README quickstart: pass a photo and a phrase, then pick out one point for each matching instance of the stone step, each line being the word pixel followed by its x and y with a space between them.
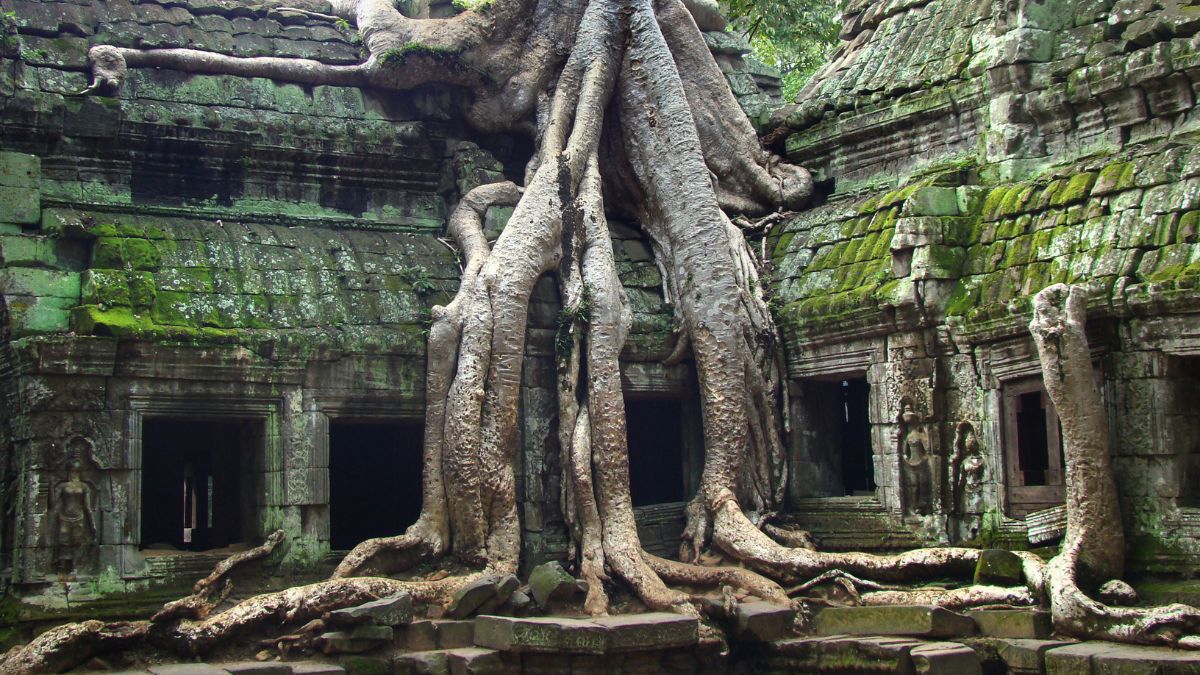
pixel 1106 657
pixel 1031 624
pixel 463 661
pixel 434 634
pixel 240 668
pixel 1024 656
pixel 867 654
pixel 906 620
pixel 604 635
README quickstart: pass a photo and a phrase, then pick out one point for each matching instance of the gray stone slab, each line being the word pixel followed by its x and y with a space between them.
pixel 1026 655
pixel 454 634
pixel 256 667
pixel 763 621
pixel 1107 657
pixel 186 669
pixel 540 634
pixel 315 668
pixel 423 663
pixel 945 658
pixel 915 620
pixel 394 611
pixel 474 661
pixel 1031 624
pixel 656 630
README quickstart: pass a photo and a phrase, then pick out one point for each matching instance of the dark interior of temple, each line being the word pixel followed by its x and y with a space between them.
pixel 195 482
pixel 374 480
pixel 858 471
pixel 655 431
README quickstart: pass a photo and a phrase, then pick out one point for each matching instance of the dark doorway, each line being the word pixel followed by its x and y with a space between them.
pixel 1033 448
pixel 831 447
pixel 374 480
pixel 195 482
pixel 858 466
pixel 656 457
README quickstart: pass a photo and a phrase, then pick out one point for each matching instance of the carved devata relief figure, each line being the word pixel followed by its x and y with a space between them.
pixel 72 511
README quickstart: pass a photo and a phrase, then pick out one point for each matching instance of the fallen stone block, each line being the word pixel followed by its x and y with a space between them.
pixel 504 588
pixel 915 620
pixel 1031 624
pixel 998 567
pixel 866 654
pixel 657 630
pixel 393 611
pixel 358 639
pixel 551 582
pixel 540 634
pixel 1024 655
pixel 471 597
pixel 763 621
pixel 945 658
pixel 355 664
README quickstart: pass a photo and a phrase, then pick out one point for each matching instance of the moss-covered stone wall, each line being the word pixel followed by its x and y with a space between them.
pixel 969 154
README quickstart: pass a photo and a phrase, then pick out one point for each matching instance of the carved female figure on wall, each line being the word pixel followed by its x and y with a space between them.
pixel 970 472
pixel 73 514
pixel 916 458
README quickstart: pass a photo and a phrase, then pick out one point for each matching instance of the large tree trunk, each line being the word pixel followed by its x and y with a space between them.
pixel 1093 549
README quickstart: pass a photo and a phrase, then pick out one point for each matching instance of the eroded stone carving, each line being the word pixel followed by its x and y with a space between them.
pixel 73 513
pixel 919 477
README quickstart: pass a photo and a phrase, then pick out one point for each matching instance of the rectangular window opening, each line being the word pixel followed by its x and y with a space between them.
pixel 1033 448
pixel 374 479
pixel 196 482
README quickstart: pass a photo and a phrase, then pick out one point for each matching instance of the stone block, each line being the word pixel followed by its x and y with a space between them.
pixel 763 621
pixel 474 661
pixel 1108 657
pixel 20 205
pixel 355 664
pixel 945 658
pixel 186 669
pixel 256 667
pixel 454 634
pixel 18 169
pixel 394 611
pixel 652 631
pixel 998 567
pixel 468 599
pixel 1022 655
pixel 550 582
pixel 915 620
pixel 358 639
pixel 1012 623
pixel 314 668
pixel 932 201
pixel 423 663
pixel 540 634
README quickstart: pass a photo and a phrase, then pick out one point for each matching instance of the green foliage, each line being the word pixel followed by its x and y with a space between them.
pixel 471 5
pixel 10 41
pixel 418 278
pixel 342 24
pixel 796 36
pixel 579 313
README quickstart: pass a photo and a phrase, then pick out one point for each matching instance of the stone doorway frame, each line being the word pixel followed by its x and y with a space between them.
pixel 268 466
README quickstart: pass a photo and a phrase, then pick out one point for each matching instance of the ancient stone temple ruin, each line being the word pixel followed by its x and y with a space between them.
pixel 217 292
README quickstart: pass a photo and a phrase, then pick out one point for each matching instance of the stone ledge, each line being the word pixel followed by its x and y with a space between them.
pixel 907 620
pixel 607 635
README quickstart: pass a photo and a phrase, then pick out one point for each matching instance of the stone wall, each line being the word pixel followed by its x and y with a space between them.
pixel 970 154
pixel 245 252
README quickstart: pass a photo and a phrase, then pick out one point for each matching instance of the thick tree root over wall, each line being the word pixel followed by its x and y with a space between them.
pixel 631 116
